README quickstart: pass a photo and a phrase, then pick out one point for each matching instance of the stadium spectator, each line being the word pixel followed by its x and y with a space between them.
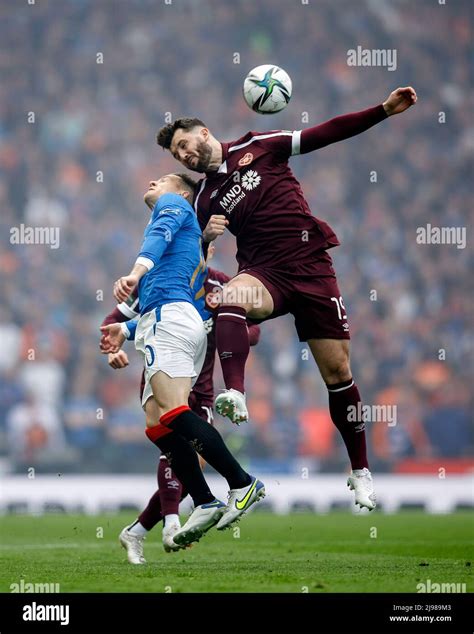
pixel 76 144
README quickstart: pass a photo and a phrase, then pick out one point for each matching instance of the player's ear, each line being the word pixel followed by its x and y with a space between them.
pixel 204 132
pixel 185 194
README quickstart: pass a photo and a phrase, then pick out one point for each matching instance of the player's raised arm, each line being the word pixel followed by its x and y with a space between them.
pixel 349 125
pixel 161 233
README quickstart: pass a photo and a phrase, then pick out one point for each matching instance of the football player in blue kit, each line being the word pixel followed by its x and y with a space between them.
pixel 170 335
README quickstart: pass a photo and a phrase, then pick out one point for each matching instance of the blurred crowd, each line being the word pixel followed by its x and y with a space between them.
pixel 85 86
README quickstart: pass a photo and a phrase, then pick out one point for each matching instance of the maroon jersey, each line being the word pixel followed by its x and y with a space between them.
pixel 267 212
pixel 263 201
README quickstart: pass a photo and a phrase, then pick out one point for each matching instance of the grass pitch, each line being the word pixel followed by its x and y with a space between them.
pixel 338 552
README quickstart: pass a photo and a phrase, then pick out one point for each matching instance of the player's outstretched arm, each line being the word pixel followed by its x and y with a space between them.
pixel 349 125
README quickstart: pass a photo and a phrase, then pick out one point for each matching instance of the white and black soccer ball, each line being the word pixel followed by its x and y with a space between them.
pixel 267 89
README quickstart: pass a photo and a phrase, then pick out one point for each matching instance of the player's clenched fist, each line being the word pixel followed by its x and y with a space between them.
pixel 118 359
pixel 112 338
pixel 124 286
pixel 399 100
pixel 215 227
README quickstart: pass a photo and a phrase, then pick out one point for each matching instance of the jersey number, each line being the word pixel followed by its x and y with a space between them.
pixel 340 307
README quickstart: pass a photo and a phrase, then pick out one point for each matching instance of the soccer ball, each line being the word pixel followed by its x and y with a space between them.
pixel 267 89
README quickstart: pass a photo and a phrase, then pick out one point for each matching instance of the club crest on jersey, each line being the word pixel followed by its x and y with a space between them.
pixel 246 159
pixel 213 299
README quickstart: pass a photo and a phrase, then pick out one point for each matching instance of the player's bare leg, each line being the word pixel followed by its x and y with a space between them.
pixel 169 500
pixel 179 428
pixel 163 505
pixel 332 358
pixel 170 394
pixel 245 296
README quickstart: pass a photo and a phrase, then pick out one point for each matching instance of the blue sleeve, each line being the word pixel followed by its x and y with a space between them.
pixel 132 327
pixel 164 225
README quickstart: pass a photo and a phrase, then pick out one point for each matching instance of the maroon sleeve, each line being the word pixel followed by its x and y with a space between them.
pixel 340 128
pixel 254 334
pixel 219 276
pixel 115 316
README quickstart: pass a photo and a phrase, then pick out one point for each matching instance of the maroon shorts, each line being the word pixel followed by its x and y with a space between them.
pixel 308 291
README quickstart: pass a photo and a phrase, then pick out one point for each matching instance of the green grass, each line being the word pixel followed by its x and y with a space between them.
pixel 325 553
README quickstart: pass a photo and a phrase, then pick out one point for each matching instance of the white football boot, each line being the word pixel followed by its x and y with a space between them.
pixel 232 403
pixel 239 502
pixel 167 536
pixel 133 544
pixel 360 481
pixel 204 517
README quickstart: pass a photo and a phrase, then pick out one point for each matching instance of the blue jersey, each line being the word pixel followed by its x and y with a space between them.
pixel 171 249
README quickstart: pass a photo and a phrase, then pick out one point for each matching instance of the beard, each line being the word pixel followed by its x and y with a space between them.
pixel 204 152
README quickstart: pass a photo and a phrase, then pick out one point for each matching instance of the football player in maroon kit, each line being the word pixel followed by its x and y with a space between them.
pixel 164 503
pixel 282 254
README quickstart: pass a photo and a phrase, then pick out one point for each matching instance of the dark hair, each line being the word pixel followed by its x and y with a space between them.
pixel 165 134
pixel 189 183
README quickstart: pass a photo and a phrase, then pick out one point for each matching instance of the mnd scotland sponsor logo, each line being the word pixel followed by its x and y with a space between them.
pixel 249 181
pixel 386 57
pixel 441 235
pixel 35 235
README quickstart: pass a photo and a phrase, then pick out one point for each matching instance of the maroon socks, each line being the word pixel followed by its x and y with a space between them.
pixel 232 339
pixel 165 501
pixel 343 400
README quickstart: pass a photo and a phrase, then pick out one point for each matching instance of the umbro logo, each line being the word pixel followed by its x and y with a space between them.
pixel 214 193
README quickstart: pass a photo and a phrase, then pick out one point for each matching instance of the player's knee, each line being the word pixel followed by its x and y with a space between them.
pixel 237 294
pixel 337 371
pixel 253 298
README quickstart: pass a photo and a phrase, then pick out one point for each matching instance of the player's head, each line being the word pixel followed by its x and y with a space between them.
pixel 189 141
pixel 181 184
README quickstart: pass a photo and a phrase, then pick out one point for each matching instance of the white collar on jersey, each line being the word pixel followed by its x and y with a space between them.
pixel 222 168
